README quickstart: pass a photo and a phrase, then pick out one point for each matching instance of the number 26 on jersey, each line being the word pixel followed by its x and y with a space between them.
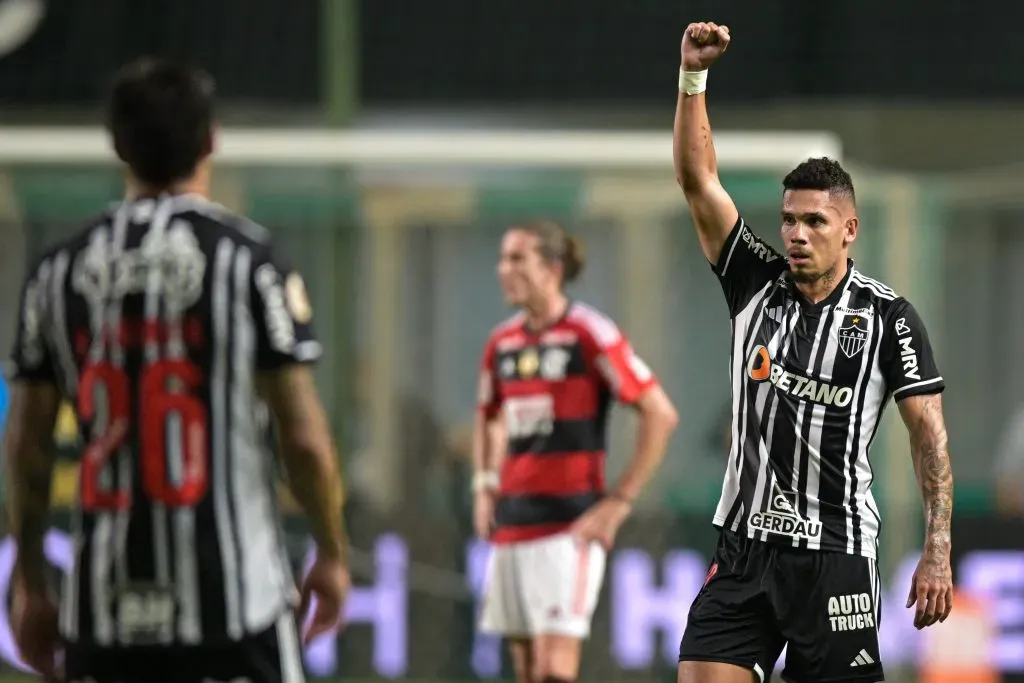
pixel 165 401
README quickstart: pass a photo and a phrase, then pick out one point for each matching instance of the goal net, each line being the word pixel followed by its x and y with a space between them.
pixel 396 234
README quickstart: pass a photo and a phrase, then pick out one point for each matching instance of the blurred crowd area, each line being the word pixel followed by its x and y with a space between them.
pixel 400 266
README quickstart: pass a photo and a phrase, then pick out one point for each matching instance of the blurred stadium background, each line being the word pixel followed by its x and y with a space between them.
pixel 399 260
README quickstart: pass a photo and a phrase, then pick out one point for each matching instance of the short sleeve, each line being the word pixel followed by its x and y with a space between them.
pixel 906 356
pixel 746 264
pixel 625 374
pixel 488 392
pixel 282 313
pixel 31 357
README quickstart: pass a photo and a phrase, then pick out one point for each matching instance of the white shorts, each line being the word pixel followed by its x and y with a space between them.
pixel 548 586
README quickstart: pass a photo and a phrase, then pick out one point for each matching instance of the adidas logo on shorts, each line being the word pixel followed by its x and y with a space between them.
pixel 862 659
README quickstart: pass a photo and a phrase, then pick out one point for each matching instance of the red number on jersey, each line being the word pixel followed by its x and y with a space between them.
pixel 165 393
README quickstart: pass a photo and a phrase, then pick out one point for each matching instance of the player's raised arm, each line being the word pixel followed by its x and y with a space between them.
pixel 713 210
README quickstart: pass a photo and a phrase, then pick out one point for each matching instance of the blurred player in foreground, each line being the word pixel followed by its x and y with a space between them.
pixel 160 321
pixel 818 348
pixel 548 377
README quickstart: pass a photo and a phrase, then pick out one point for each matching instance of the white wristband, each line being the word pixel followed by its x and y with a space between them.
pixel 693 82
pixel 487 480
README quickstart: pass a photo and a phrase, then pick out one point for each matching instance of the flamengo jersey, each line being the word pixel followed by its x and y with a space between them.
pixel 809 384
pixel 154 321
pixel 555 388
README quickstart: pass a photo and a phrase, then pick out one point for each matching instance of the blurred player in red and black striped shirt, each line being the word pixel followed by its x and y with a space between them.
pixel 549 376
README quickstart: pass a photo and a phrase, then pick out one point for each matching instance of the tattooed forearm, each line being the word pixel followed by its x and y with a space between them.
pixel 30 458
pixel 928 444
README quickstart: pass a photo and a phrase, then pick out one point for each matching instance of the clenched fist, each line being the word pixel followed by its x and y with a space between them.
pixel 703 44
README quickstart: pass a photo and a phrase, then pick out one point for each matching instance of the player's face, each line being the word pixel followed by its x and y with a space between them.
pixel 817 230
pixel 524 275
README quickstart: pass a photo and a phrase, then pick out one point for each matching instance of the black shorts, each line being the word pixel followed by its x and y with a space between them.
pixel 271 656
pixel 760 596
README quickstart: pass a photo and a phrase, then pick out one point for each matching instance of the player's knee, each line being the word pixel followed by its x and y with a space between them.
pixel 714 672
pixel 547 672
pixel 555 679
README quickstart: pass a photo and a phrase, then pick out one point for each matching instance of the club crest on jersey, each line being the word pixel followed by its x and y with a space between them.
pixel 529 362
pixel 554 363
pixel 853 335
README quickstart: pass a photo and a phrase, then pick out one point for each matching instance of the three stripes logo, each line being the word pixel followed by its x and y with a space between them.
pixel 862 659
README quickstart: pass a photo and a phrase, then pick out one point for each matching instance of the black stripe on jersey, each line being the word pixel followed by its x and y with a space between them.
pixel 508 368
pixel 804 453
pixel 737 505
pixel 854 452
pixel 530 510
pixel 770 417
pixel 744 428
pixel 566 436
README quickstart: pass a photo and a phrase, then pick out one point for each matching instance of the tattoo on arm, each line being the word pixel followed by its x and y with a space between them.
pixel 928 445
pixel 30 460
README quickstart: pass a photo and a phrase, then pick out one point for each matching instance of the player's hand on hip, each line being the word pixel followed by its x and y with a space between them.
pixel 601 523
pixel 326 584
pixel 703 44
pixel 931 589
pixel 34 616
pixel 483 513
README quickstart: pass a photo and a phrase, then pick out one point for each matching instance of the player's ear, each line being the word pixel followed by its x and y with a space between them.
pixel 850 230
pixel 212 136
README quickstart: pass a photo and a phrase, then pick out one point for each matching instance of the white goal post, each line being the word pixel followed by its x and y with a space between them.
pixel 417 148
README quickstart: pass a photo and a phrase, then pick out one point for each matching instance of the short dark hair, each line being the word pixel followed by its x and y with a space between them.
pixel 160 115
pixel 820 173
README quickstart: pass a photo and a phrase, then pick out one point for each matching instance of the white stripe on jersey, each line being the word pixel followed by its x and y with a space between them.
pixel 228 541
pixel 123 457
pixel 288 646
pixel 808 451
pixel 263 593
pixel 103 520
pixel 852 441
pixel 161 545
pixel 880 290
pixel 603 329
pixel 782 336
pixel 731 485
pixel 814 437
pixel 190 630
pixel 69 379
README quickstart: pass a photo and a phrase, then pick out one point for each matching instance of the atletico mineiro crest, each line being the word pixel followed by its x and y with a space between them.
pixel 853 335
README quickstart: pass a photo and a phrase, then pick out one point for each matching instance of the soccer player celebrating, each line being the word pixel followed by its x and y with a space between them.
pixel 548 377
pixel 818 348
pixel 164 321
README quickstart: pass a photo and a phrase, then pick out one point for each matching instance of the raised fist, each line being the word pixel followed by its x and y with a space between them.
pixel 703 44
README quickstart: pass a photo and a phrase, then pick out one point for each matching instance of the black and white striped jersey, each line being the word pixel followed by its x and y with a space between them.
pixel 809 385
pixel 153 321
